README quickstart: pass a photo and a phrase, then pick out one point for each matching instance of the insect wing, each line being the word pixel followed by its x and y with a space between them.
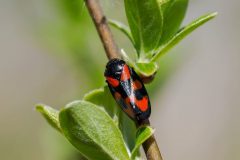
pixel 126 107
pixel 142 106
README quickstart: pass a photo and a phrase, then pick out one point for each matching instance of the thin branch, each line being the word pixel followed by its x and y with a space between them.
pixel 103 29
pixel 150 145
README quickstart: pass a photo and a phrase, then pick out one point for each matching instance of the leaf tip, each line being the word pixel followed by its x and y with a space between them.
pixel 39 107
pixel 212 15
pixel 50 114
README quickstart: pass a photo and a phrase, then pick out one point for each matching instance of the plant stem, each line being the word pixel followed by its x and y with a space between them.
pixel 150 145
pixel 103 29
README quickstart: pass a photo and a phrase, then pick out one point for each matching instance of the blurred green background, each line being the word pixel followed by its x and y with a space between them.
pixel 50 53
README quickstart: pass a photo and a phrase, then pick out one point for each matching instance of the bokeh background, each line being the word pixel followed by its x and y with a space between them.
pixel 50 53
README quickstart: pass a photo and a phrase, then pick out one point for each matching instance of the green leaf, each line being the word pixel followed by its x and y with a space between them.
pixel 103 98
pixel 146 69
pixel 92 131
pixel 143 134
pixel 145 21
pixel 50 114
pixel 182 33
pixel 173 15
pixel 128 129
pixel 122 27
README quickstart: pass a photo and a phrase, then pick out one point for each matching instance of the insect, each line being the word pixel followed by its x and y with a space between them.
pixel 128 90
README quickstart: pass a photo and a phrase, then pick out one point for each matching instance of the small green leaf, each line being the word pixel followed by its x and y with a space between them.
pixel 146 69
pixel 122 27
pixel 145 21
pixel 92 131
pixel 143 134
pixel 173 15
pixel 50 114
pixel 103 98
pixel 182 33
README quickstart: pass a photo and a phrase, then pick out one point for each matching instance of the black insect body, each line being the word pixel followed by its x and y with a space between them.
pixel 128 90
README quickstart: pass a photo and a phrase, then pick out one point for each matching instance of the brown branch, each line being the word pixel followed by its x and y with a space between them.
pixel 150 145
pixel 103 29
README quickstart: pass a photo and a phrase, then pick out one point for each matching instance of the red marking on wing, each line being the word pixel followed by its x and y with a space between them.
pixel 113 82
pixel 137 85
pixel 142 104
pixel 127 101
pixel 125 73
pixel 117 96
